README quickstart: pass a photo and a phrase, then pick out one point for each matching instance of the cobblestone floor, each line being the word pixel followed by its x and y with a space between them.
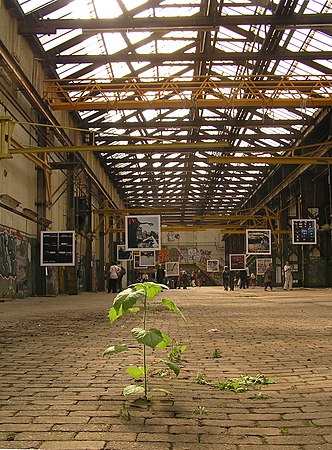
pixel 57 391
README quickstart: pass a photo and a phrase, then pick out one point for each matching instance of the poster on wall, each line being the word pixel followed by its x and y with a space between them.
pixel 172 269
pixel 258 242
pixel 262 264
pixel 237 261
pixel 57 248
pixel 304 231
pixel 123 254
pixel 212 265
pixel 147 258
pixel 142 232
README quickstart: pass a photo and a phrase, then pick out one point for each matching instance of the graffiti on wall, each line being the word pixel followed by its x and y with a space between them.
pixel 15 258
pixel 184 255
pixel 7 255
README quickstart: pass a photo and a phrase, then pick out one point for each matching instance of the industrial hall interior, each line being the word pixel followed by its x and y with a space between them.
pixel 188 135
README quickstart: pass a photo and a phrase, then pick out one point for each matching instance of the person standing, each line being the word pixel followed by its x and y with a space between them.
pixel 199 277
pixel 113 277
pixel 288 276
pixel 268 274
pixel 243 279
pixel 121 273
pixel 225 278
pixel 160 274
pixel 231 280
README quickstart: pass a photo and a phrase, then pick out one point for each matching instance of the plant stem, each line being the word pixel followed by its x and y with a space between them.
pixel 144 350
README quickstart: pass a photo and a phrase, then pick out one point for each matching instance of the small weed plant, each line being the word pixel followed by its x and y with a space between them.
pixel 135 299
pixel 238 385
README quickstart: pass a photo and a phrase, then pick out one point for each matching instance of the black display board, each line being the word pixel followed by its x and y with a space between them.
pixel 57 248
pixel 304 231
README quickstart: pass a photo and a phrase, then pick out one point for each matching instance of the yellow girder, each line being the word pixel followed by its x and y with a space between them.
pixel 270 160
pixel 268 91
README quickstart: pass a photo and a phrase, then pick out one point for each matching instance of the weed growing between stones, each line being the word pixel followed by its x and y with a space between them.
pixel 236 385
pixel 135 299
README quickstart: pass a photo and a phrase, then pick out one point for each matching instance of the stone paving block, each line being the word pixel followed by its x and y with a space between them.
pixel 31 445
pixel 73 445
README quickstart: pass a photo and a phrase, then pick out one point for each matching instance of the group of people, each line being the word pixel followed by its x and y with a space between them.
pixel 230 278
pixel 241 278
pixel 288 276
pixel 185 279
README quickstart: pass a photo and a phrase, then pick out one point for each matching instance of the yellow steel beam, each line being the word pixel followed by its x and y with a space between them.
pixel 262 102
pixel 225 230
pixel 228 218
pixel 270 160
pixel 120 148
pixel 268 91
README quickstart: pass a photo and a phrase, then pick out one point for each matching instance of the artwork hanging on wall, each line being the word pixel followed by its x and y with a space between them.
pixel 304 231
pixel 57 248
pixel 142 232
pixel 212 265
pixel 123 254
pixel 237 261
pixel 147 258
pixel 262 264
pixel 258 242
pixel 172 269
pixel 137 264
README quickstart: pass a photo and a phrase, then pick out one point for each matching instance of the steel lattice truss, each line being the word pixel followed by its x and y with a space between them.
pixel 169 40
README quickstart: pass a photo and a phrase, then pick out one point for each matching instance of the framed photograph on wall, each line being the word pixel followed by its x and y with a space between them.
pixel 237 261
pixel 258 242
pixel 172 269
pixel 212 265
pixel 123 254
pixel 147 258
pixel 57 248
pixel 142 232
pixel 137 264
pixel 304 231
pixel 262 264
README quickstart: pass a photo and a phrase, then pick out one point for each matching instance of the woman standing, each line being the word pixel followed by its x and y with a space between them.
pixel 288 276
pixel 113 277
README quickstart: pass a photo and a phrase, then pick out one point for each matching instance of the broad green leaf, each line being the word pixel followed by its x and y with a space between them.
pixel 134 310
pixel 133 389
pixel 150 288
pixel 174 367
pixel 114 349
pixel 136 372
pixel 151 337
pixel 164 343
pixel 172 307
pixel 124 301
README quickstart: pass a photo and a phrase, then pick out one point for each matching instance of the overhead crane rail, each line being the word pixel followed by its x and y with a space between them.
pixel 269 91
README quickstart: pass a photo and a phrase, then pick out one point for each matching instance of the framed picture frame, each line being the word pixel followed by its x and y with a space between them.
pixel 212 265
pixel 304 231
pixel 123 254
pixel 147 258
pixel 237 261
pixel 137 262
pixel 172 269
pixel 142 232
pixel 258 242
pixel 262 264
pixel 57 248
